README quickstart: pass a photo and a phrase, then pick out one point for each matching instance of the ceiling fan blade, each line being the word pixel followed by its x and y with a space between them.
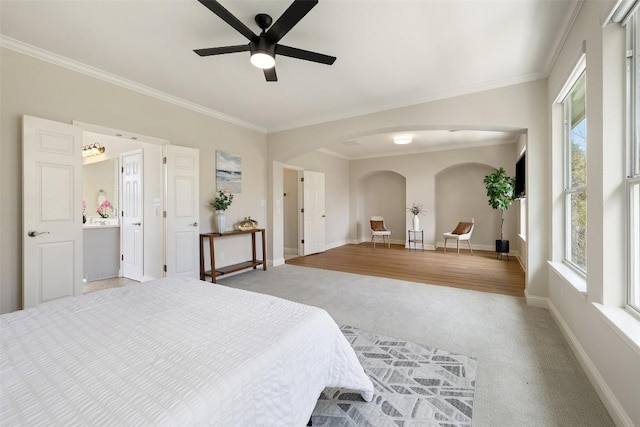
pixel 290 17
pixel 293 52
pixel 227 17
pixel 270 74
pixel 221 50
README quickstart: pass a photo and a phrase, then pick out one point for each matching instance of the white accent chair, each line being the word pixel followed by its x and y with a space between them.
pixel 462 232
pixel 378 229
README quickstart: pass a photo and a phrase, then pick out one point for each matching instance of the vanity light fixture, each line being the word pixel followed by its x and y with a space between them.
pixel 92 150
pixel 402 139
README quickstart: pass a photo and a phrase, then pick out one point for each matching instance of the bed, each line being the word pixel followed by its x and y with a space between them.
pixel 172 351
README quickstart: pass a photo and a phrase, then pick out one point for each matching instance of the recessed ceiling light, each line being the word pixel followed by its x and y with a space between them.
pixel 402 139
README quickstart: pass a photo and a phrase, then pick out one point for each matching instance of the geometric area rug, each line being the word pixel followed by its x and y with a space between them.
pixel 414 385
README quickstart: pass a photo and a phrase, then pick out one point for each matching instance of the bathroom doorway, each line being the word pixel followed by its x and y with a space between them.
pixel 128 240
pixel 54 232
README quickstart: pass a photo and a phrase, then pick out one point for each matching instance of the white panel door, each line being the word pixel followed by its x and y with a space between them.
pixel 183 231
pixel 132 230
pixel 313 212
pixel 51 210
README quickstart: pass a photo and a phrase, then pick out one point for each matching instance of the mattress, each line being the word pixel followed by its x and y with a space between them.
pixel 171 352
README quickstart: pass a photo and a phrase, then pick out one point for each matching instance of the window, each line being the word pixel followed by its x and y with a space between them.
pixel 575 172
pixel 633 174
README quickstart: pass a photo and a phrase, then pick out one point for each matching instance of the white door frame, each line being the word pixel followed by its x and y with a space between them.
pixel 298 216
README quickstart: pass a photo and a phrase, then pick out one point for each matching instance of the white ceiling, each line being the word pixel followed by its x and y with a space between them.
pixel 390 53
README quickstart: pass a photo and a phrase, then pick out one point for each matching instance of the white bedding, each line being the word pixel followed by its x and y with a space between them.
pixel 171 352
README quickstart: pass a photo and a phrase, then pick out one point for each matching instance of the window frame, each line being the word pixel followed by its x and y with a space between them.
pixel 570 189
pixel 633 164
pixel 633 288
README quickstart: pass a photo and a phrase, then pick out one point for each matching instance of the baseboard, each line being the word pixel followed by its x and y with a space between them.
pixel 336 245
pixel 490 248
pixel 275 262
pixel 616 411
pixel 291 251
pixel 535 301
pixel 524 267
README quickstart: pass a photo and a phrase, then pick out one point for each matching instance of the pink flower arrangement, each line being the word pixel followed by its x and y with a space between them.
pixel 102 209
pixel 84 208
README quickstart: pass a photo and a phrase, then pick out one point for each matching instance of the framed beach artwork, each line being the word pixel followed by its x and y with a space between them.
pixel 228 172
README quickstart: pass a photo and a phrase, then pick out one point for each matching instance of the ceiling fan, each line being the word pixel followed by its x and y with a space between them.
pixel 265 47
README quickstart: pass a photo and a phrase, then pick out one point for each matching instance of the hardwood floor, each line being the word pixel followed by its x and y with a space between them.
pixel 480 272
pixel 114 282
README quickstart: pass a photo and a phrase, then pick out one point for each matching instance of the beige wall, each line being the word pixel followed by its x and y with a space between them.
pixel 34 87
pixel 421 171
pixel 383 194
pixel 382 189
pixel 460 192
pixel 336 178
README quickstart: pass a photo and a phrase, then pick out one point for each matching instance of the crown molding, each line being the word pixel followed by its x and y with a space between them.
pixel 562 36
pixel 70 64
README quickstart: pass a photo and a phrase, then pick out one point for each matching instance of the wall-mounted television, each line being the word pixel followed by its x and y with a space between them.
pixel 521 188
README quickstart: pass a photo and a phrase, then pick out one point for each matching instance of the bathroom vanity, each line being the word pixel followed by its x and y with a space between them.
pixel 101 249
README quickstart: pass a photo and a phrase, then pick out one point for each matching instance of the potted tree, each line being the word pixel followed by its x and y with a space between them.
pixel 501 192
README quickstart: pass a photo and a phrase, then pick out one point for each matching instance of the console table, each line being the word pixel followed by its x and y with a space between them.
pixel 219 271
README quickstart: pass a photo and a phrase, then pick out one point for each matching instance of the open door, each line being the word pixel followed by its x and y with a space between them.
pixel 313 214
pixel 183 232
pixel 132 230
pixel 51 210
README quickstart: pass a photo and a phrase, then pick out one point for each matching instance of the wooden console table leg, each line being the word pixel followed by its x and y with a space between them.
pixel 264 252
pixel 253 249
pixel 201 257
pixel 212 255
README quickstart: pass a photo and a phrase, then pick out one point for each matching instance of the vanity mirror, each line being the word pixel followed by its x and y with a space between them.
pixel 100 189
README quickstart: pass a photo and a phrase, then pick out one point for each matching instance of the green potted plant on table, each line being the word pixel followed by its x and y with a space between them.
pixel 221 203
pixel 501 192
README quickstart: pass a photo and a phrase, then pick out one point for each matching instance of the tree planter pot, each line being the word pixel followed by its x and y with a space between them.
pixel 502 247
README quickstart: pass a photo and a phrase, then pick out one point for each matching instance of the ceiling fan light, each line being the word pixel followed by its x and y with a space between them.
pixel 263 60
pixel 402 139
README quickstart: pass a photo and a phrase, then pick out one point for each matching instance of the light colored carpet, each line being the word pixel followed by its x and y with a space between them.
pixel 526 375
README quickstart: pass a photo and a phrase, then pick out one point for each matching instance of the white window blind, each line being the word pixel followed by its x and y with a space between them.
pixel 623 10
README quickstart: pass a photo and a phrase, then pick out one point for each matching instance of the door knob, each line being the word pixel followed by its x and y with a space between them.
pixel 136 223
pixel 195 224
pixel 33 233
